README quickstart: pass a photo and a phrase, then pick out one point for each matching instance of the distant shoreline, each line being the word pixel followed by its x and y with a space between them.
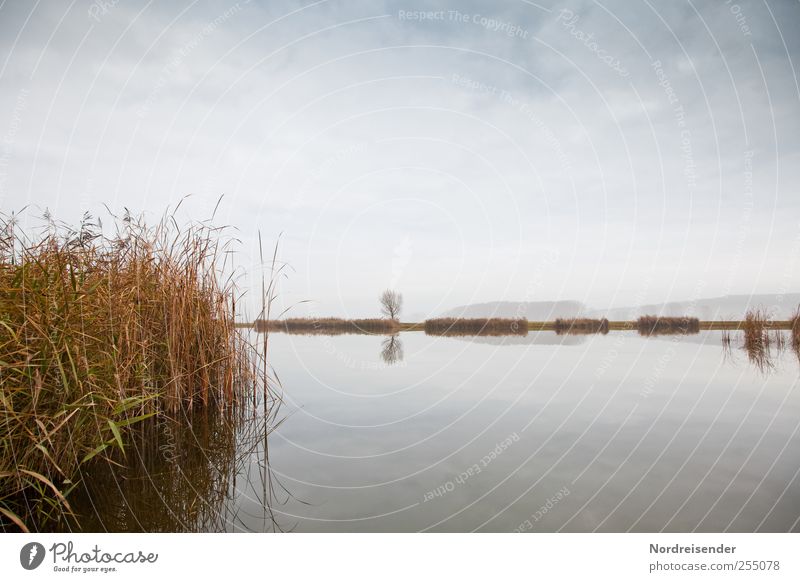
pixel 729 325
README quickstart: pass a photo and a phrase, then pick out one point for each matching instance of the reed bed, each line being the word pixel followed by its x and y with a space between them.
pixel 99 332
pixel 580 326
pixel 756 326
pixel 795 331
pixel 488 327
pixel 757 340
pixel 654 325
pixel 762 344
pixel 328 326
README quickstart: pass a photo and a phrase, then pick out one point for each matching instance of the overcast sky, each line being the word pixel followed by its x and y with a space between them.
pixel 608 152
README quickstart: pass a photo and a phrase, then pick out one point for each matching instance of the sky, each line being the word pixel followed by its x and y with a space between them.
pixel 614 153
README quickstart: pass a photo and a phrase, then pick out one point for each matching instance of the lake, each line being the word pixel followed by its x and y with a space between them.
pixel 541 433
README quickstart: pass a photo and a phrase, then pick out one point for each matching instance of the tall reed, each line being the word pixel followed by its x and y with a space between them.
pixel 101 331
pixel 756 326
pixel 757 341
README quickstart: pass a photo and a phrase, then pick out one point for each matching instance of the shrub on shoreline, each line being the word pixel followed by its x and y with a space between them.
pixel 478 326
pixel 580 326
pixel 328 326
pixel 654 325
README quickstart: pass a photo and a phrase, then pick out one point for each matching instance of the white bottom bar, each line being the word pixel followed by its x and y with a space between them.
pixel 407 557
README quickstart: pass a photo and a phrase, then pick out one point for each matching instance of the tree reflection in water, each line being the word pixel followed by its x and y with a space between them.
pixel 392 350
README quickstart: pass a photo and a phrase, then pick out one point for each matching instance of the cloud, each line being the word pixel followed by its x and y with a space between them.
pixel 477 136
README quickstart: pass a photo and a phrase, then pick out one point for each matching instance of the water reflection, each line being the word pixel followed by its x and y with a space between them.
pixel 532 339
pixel 184 475
pixel 727 346
pixel 392 350
pixel 639 445
pixel 763 349
pixel 646 434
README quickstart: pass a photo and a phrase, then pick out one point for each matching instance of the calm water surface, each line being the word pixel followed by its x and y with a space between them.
pixel 544 433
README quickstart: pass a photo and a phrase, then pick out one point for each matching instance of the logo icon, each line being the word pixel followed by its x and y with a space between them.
pixel 31 555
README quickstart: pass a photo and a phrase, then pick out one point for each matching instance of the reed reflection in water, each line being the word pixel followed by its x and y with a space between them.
pixel 186 475
pixel 763 348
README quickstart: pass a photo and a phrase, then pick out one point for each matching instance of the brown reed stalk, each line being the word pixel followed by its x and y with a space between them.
pixel 757 341
pixel 99 332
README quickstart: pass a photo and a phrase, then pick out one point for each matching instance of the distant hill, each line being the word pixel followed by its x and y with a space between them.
pixel 714 308
pixel 531 310
pixel 781 306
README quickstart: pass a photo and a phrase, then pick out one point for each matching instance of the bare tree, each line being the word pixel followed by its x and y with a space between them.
pixel 391 303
